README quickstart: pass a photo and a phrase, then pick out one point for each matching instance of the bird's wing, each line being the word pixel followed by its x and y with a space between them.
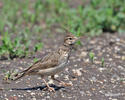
pixel 48 61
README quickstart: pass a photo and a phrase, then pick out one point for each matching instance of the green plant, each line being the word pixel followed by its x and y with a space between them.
pixel 92 19
pixel 38 46
pixel 35 60
pixel 122 79
pixel 18 47
pixel 96 17
pixel 91 56
pixel 13 48
pixel 102 62
pixel 9 75
pixel 79 43
pixel 39 16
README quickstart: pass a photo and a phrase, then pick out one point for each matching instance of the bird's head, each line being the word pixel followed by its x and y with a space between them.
pixel 70 39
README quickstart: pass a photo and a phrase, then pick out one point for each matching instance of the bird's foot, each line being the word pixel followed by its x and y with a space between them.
pixel 50 89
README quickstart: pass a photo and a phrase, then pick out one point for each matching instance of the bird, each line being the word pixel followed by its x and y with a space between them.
pixel 52 63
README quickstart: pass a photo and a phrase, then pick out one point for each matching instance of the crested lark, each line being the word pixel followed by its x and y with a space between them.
pixel 52 63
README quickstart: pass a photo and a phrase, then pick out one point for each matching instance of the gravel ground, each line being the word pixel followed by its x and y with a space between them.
pixel 91 80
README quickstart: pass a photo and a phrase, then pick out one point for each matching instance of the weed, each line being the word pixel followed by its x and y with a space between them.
pixel 92 19
pixel 38 46
pixel 19 47
pixel 26 17
pixel 35 60
pixel 9 75
pixel 13 48
pixel 122 79
pixel 91 56
pixel 102 62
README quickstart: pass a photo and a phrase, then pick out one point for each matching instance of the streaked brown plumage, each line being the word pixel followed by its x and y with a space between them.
pixel 52 63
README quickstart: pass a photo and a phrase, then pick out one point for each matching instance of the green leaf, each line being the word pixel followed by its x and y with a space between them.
pixel 38 46
pixel 35 60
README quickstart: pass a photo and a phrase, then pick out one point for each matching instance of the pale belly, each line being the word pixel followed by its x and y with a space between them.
pixel 52 71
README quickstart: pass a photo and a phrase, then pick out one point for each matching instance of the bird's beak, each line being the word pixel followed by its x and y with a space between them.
pixel 76 38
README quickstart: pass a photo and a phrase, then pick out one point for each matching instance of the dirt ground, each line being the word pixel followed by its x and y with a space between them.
pixel 91 80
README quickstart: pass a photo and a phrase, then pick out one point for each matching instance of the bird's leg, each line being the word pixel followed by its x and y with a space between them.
pixel 49 88
pixel 61 82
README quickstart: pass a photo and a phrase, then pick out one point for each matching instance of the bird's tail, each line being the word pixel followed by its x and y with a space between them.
pixel 19 75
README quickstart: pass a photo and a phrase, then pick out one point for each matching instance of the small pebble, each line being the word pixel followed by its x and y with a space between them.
pixel 83 54
pixel 66 77
pixel 32 93
pixel 75 65
pixel 101 69
pixel 51 81
pixel 47 97
pixel 33 98
pixel 56 76
pixel 77 72
pixel 28 91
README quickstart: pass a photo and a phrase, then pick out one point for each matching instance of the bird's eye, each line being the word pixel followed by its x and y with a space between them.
pixel 70 38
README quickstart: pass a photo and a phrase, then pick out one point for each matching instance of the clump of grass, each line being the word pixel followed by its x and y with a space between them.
pixel 91 56
pixel 79 43
pixel 35 60
pixel 18 47
pixel 9 75
pixel 38 46
pixel 13 48
pixel 122 79
pixel 102 62
pixel 92 19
